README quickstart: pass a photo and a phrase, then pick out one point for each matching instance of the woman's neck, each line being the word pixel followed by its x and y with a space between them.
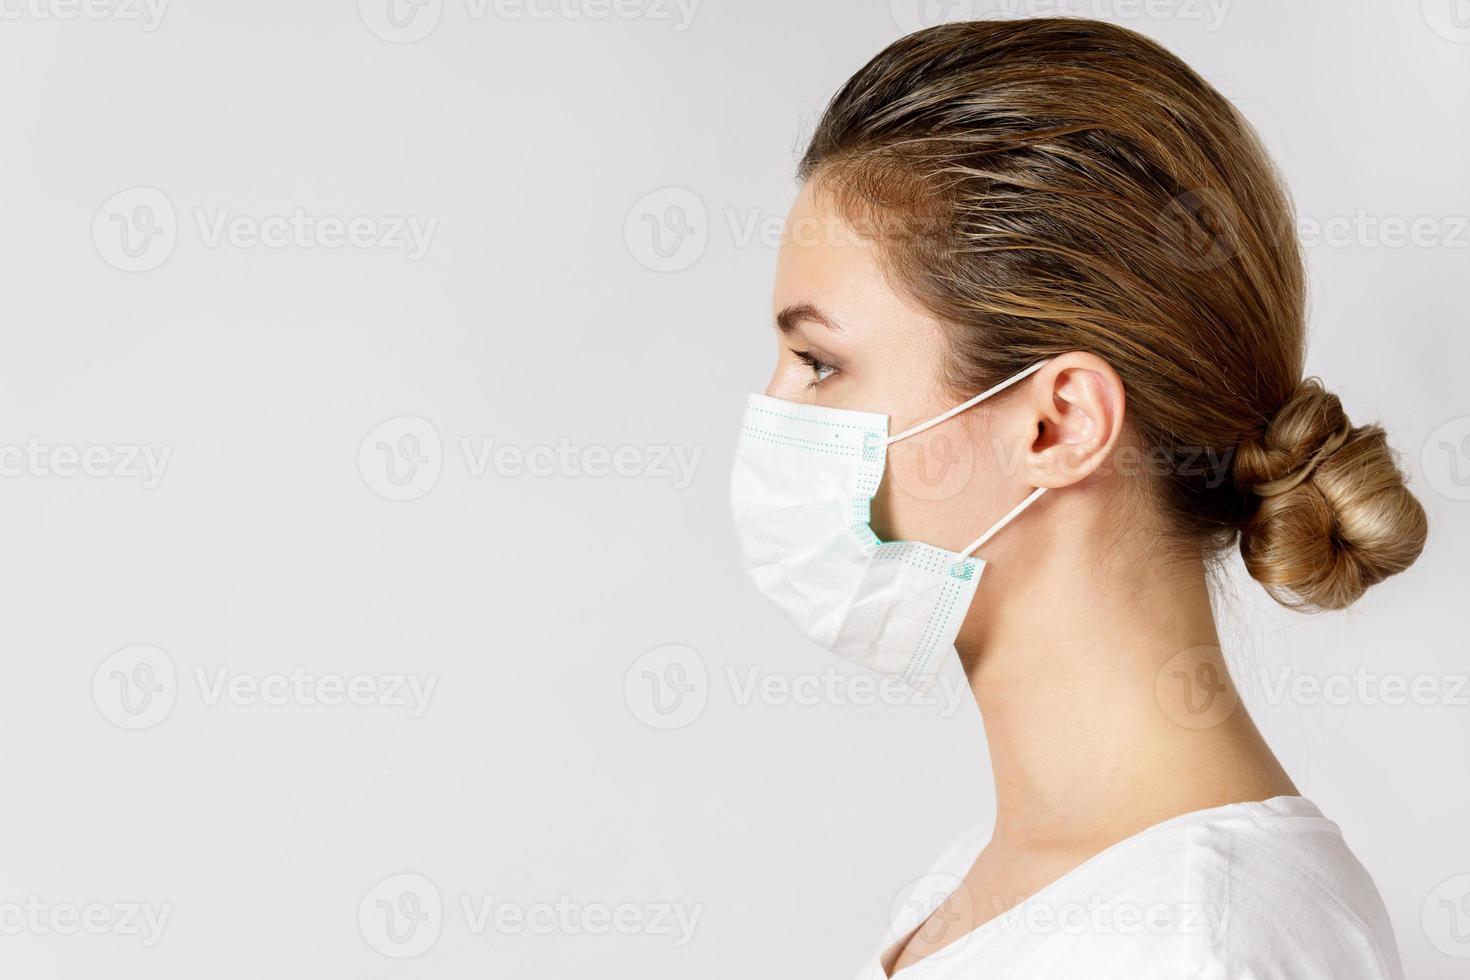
pixel 1105 698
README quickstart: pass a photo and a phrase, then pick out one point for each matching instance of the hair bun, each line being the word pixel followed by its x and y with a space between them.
pixel 1333 515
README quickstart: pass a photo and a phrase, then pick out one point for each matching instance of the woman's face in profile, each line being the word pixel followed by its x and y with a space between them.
pixel 845 338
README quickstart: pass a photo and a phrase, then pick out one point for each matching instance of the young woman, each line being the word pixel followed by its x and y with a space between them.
pixel 1061 263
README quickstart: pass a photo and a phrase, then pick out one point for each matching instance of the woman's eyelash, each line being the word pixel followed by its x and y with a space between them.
pixel 821 369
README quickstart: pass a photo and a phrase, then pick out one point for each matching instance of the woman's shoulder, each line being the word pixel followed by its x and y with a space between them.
pixel 1275 888
pixel 1256 889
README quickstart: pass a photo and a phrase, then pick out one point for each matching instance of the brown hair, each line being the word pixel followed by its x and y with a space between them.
pixel 1051 185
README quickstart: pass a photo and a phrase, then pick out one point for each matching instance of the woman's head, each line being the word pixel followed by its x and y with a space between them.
pixel 1014 191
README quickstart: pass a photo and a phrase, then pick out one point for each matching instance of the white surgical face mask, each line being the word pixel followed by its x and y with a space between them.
pixel 803 483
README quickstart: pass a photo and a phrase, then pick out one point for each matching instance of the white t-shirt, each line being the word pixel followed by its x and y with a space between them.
pixel 1249 891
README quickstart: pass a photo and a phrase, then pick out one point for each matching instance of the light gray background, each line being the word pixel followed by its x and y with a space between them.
pixel 548 766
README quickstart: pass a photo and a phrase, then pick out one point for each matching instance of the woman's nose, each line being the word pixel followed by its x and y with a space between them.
pixel 785 386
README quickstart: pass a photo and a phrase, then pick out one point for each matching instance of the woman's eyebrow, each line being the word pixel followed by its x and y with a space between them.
pixel 786 320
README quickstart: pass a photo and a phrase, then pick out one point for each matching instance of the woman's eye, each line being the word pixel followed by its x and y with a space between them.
pixel 821 370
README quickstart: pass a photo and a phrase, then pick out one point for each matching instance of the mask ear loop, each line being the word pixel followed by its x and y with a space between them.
pixel 1013 379
pixel 1015 511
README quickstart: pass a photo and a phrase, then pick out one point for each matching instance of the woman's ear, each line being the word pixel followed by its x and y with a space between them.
pixel 1076 404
